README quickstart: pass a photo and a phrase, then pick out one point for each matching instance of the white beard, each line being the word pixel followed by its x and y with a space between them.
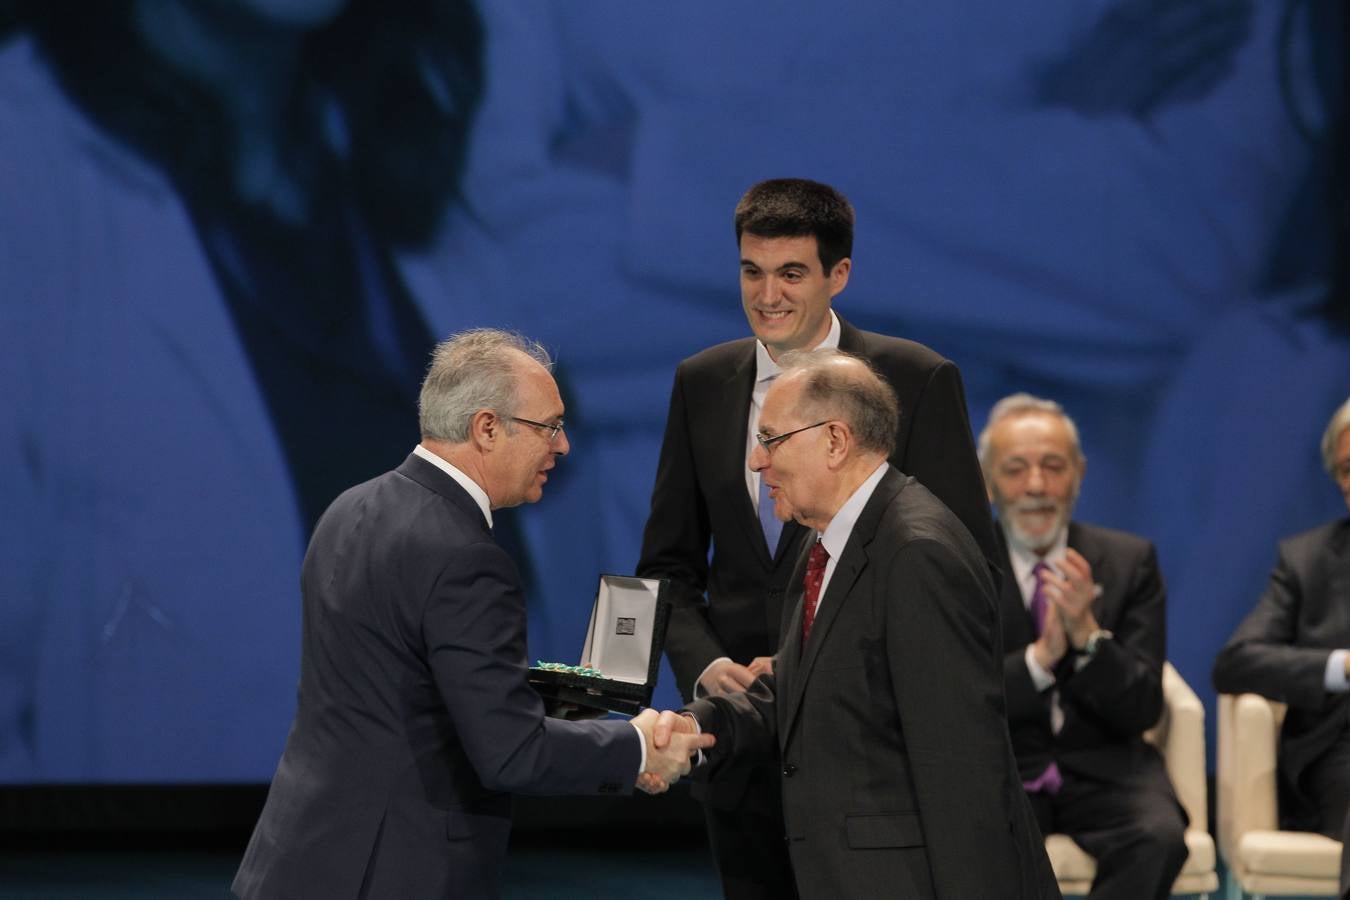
pixel 1034 543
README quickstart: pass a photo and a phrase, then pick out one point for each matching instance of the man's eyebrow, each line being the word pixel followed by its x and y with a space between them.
pixel 790 264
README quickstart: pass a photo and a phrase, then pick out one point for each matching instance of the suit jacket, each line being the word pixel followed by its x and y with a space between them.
pixel 700 497
pixel 415 719
pixel 1280 651
pixel 1111 701
pixel 899 779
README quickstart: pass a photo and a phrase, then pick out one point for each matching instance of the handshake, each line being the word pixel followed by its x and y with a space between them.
pixel 672 740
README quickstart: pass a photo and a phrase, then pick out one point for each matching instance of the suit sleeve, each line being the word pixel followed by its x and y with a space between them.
pixel 940 452
pixel 474 628
pixel 1261 657
pixel 1024 701
pixel 745 724
pixel 942 646
pixel 675 546
pixel 1120 688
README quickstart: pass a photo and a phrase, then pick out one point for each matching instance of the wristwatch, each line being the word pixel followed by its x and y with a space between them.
pixel 1095 639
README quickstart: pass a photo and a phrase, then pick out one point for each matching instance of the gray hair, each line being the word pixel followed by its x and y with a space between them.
pixel 1340 420
pixel 1017 405
pixel 472 371
pixel 855 394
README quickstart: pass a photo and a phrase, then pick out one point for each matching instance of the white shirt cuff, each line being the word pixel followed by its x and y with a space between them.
pixel 699 693
pixel 642 742
pixel 1040 678
pixel 1334 679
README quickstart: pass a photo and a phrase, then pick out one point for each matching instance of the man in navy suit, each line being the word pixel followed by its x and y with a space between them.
pixel 415 721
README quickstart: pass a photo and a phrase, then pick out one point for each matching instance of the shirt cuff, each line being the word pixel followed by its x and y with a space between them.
pixel 1334 679
pixel 1040 678
pixel 642 742
pixel 699 693
pixel 699 759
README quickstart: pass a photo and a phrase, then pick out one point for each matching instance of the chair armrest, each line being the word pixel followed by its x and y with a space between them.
pixel 1180 737
pixel 1248 741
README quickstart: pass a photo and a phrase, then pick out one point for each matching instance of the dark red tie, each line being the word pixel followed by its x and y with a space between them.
pixel 815 574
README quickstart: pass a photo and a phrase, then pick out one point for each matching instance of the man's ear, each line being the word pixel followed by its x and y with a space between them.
pixel 485 429
pixel 839 276
pixel 839 441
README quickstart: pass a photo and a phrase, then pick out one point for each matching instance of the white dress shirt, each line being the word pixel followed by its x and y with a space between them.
pixel 836 534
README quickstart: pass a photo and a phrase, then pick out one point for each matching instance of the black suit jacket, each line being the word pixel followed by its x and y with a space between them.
pixel 1280 651
pixel 415 719
pixel 899 780
pixel 700 498
pixel 1110 702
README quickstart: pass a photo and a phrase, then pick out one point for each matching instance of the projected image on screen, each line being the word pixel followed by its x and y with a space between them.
pixel 230 231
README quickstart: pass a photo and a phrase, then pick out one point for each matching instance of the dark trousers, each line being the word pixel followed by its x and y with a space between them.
pixel 1327 782
pixel 749 842
pixel 1136 832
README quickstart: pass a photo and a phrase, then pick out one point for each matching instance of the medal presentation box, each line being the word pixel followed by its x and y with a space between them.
pixel 623 644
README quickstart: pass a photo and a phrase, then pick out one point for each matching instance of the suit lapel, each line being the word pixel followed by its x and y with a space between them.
pixel 1097 558
pixel 847 570
pixel 850 338
pixel 734 419
pixel 433 479
pixel 1018 629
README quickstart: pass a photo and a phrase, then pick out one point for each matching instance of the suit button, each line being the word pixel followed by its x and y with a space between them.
pixel 789 770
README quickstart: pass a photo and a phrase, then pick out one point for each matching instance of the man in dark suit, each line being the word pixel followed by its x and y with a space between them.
pixel 415 720
pixel 795 239
pixel 886 700
pixel 1084 632
pixel 1292 648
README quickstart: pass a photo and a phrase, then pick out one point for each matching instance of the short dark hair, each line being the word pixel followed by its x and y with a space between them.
pixel 796 207
pixel 840 384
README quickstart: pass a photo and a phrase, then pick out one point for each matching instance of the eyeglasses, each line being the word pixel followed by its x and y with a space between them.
pixel 552 430
pixel 768 442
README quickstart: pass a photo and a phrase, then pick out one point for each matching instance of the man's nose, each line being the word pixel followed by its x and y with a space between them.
pixel 773 290
pixel 561 446
pixel 759 458
pixel 1035 481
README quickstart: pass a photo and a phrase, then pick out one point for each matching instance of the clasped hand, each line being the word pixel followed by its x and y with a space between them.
pixel 672 739
pixel 1068 614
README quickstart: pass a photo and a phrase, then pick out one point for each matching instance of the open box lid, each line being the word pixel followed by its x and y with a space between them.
pixel 624 641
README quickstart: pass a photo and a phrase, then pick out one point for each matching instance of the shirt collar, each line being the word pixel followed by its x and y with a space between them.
pixel 1023 560
pixel 477 493
pixel 766 368
pixel 836 534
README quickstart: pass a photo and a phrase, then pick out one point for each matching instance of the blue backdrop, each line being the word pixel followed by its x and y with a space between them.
pixel 228 237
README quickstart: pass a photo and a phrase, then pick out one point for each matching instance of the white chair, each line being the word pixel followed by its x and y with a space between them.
pixel 1180 738
pixel 1263 860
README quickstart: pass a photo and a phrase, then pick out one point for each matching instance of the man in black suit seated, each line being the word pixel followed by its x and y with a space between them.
pixel 1293 648
pixel 795 242
pixel 415 719
pixel 1084 633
